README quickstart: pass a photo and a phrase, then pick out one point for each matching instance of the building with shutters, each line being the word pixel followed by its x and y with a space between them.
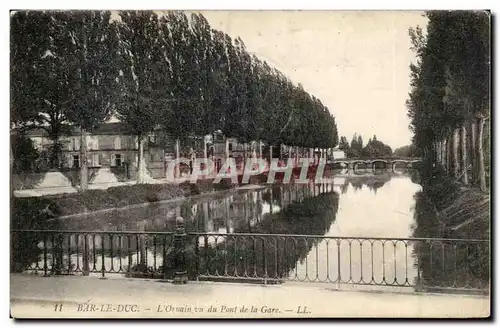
pixel 109 145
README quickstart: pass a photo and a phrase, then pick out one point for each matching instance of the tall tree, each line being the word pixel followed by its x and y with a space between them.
pixel 450 89
pixel 39 76
pixel 143 78
pixel 89 40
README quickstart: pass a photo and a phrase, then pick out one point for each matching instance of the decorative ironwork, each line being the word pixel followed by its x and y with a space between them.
pixel 422 263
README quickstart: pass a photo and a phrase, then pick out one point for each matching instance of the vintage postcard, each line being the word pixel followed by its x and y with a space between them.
pixel 250 164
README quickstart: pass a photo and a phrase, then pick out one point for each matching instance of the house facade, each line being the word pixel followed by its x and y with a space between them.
pixel 108 146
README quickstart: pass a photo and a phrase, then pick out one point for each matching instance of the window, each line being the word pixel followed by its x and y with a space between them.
pixel 92 143
pixel 74 143
pixel 95 160
pixel 76 161
pixel 118 142
pixel 151 157
pixel 230 146
pixel 118 160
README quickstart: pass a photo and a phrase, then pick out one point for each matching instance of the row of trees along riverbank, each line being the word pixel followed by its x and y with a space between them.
pixel 167 73
pixel 449 103
pixel 373 149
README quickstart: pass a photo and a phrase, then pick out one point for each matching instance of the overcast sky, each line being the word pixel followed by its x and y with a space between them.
pixel 355 62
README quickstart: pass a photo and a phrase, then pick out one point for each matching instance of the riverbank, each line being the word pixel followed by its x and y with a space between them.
pixel 33 212
pixel 458 211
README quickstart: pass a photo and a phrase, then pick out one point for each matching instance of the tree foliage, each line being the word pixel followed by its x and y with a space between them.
pixel 450 87
pixel 169 72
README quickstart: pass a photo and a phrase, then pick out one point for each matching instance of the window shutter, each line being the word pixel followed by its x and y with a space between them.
pixel 95 159
pixel 88 142
pixel 118 143
pixel 69 160
pixel 96 143
pixel 77 143
pixel 113 160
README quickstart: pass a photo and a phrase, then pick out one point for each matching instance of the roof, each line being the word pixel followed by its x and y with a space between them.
pixel 103 129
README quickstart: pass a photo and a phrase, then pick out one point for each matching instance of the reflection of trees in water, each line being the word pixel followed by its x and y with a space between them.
pixel 459 264
pixel 269 256
pixel 235 211
pixel 34 213
pixel 373 182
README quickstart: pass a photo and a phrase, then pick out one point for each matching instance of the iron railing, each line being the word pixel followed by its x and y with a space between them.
pixel 422 263
pixel 71 252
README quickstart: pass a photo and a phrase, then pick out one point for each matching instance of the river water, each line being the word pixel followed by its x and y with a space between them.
pixel 369 205
pixel 357 229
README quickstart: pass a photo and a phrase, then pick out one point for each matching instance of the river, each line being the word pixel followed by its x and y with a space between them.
pixel 355 229
pixel 369 205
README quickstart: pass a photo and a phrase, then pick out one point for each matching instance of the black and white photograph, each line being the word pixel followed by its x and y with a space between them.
pixel 234 164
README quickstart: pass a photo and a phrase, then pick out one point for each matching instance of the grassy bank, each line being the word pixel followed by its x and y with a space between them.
pixel 447 209
pixel 35 212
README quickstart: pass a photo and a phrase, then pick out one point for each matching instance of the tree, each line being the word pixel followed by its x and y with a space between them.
pixel 143 77
pixel 89 41
pixel 39 76
pixel 450 89
pixel 344 145
pixel 183 118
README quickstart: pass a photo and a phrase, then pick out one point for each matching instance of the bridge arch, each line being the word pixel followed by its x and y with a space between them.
pixel 356 162
pixel 375 161
pixel 402 161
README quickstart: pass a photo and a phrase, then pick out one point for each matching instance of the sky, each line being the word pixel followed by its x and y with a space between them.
pixel 355 62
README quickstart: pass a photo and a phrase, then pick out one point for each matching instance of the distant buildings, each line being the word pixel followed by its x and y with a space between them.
pixel 108 146
pixel 338 154
pixel 111 146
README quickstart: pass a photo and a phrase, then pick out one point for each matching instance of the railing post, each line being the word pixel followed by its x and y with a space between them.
pixel 338 263
pixel 85 255
pixel 180 273
pixel 103 263
pixel 45 266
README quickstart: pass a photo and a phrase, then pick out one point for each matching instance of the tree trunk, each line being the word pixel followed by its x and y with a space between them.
pixel 12 187
pixel 84 172
pixel 443 153
pixel 448 154
pixel 205 150
pixel 438 152
pixel 192 158
pixel 480 155
pixel 296 155
pixel 177 156
pixel 455 153
pixel 245 155
pixel 140 160
pixel 473 153
pixel 463 141
pixel 435 153
pixel 271 200
pixel 205 155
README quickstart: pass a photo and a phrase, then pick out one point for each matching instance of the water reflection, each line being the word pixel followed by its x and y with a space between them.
pixel 378 204
pixel 458 263
pixel 223 212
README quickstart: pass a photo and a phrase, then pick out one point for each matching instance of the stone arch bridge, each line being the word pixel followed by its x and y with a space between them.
pixel 388 163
